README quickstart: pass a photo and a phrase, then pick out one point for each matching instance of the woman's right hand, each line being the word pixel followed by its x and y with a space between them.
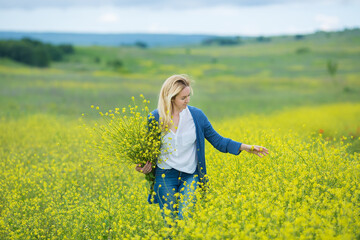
pixel 145 169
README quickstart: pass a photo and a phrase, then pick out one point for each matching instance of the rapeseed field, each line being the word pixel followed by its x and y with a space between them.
pixel 53 186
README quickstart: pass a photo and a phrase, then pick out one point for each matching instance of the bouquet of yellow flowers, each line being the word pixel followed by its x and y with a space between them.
pixel 130 135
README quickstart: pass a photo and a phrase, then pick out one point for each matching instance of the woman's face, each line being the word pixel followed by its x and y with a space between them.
pixel 182 99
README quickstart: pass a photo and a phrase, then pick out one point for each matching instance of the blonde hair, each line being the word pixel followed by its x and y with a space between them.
pixel 169 90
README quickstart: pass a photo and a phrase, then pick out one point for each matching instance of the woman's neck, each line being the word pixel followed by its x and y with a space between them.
pixel 176 112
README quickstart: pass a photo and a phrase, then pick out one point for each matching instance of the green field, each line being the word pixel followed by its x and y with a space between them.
pixel 278 94
pixel 249 78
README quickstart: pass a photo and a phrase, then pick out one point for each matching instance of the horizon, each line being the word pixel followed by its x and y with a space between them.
pixel 185 34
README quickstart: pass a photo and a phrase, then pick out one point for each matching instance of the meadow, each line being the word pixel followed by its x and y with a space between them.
pixel 275 94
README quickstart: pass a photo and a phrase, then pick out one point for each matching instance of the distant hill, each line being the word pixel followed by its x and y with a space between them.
pixel 82 39
pixel 162 40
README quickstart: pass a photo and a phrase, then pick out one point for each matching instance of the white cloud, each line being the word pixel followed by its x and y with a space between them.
pixel 109 18
pixel 224 20
pixel 156 28
pixel 154 4
pixel 327 23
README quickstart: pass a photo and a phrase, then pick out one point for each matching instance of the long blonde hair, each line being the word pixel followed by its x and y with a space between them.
pixel 169 90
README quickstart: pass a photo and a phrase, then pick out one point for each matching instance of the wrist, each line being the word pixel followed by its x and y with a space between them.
pixel 245 147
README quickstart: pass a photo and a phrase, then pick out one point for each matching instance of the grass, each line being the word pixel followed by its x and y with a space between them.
pixel 229 81
pixel 53 186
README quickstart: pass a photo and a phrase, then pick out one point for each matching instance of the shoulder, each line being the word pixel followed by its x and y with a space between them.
pixel 155 114
pixel 196 112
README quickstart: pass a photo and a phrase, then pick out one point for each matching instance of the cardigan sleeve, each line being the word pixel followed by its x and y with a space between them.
pixel 221 143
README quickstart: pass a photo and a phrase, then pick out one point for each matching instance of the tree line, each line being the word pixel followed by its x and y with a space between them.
pixel 228 41
pixel 33 52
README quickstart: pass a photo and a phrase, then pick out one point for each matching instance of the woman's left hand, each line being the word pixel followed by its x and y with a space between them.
pixel 258 150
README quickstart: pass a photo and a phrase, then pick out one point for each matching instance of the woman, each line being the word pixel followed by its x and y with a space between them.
pixel 181 167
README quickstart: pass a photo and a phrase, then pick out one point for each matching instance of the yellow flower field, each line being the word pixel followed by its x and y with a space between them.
pixel 52 186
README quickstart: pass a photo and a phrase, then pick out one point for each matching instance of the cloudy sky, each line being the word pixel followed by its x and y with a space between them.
pixel 220 17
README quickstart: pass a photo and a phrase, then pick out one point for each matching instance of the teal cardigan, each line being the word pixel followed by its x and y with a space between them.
pixel 204 130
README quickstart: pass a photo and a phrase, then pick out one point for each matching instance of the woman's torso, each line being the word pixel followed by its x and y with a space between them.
pixel 178 150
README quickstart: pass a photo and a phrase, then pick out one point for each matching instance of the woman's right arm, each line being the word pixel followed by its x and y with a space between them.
pixel 145 169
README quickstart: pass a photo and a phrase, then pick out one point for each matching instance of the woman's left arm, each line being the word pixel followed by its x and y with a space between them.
pixel 227 144
pixel 257 150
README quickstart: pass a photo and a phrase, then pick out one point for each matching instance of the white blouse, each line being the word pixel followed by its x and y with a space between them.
pixel 178 150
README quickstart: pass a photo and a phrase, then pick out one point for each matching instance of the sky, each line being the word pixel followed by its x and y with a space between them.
pixel 216 17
